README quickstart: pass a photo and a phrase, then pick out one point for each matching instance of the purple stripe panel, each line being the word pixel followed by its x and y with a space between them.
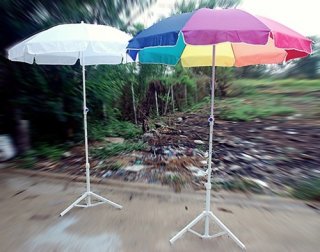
pixel 211 26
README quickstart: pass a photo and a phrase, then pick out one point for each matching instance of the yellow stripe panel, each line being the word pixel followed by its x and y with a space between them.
pixel 196 56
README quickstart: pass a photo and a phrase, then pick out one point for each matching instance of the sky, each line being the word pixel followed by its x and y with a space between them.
pixel 302 16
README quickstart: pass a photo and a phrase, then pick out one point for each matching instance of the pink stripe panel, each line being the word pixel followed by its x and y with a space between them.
pixel 211 26
pixel 285 37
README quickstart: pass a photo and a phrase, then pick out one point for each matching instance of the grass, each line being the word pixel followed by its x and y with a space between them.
pixel 114 128
pixel 308 190
pixel 30 158
pixel 247 109
pixel 114 149
pixel 241 185
pixel 248 99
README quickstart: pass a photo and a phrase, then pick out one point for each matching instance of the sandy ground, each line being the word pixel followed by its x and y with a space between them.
pixel 30 207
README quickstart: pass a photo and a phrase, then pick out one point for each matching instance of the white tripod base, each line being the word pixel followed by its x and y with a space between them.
pixel 208 215
pixel 87 196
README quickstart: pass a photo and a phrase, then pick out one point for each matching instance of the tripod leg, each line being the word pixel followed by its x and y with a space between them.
pixel 186 228
pixel 232 236
pixel 106 200
pixel 73 204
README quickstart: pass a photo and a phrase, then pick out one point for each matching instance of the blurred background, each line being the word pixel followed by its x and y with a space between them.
pixel 148 123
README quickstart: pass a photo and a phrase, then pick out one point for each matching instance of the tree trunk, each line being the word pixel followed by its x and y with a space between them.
pixel 23 136
pixel 157 105
pixel 134 105
pixel 104 111
pixel 22 133
pixel 186 95
pixel 167 101
pixel 172 98
pixel 197 92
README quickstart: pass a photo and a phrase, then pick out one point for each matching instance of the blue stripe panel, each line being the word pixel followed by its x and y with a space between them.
pixel 163 33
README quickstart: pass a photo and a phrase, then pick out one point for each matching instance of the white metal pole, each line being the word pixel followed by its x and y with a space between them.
pixel 211 121
pixel 85 111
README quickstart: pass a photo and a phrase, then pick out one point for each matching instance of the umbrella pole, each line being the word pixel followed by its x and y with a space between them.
pixel 87 196
pixel 211 122
pixel 85 111
pixel 207 214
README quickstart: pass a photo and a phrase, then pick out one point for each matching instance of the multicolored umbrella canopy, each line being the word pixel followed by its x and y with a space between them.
pixel 241 39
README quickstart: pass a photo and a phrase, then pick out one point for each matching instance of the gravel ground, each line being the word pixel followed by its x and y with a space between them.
pixel 30 207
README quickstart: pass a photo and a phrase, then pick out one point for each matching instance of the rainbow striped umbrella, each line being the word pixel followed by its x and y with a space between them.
pixel 209 37
pixel 241 39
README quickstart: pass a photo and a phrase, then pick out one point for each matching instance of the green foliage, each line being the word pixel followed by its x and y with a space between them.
pixel 114 149
pixel 114 128
pixel 237 109
pixel 115 166
pixel 204 103
pixel 48 151
pixel 28 160
pixel 308 190
pixel 44 151
pixel 174 180
pixel 50 97
pixel 188 6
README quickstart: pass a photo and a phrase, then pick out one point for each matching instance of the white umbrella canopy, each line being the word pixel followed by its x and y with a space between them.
pixel 63 45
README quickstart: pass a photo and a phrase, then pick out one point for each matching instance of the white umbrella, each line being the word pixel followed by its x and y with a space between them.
pixel 64 45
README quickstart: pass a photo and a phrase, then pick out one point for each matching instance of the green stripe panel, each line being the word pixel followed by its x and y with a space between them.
pixel 169 55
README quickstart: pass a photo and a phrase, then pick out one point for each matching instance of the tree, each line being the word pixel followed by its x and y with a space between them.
pixel 188 6
pixel 50 96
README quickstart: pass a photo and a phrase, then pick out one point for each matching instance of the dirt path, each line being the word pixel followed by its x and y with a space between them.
pixel 265 156
pixel 30 207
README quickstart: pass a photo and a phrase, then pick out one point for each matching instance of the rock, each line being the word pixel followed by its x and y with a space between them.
pixel 204 162
pixel 220 180
pixel 266 157
pixel 235 167
pixel 114 139
pixel 100 164
pixel 258 182
pixel 147 136
pixel 198 142
pixel 7 149
pixel 169 152
pixel 247 157
pixel 229 157
pixel 136 155
pixel 231 144
pixel 189 152
pixel 135 168
pixel 107 174
pixel 3 165
pixel 271 128
pixel 291 132
pixel 158 125
pixel 197 172
pixel 66 154
pixel 295 116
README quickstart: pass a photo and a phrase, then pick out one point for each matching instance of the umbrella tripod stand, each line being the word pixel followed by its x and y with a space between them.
pixel 207 214
pixel 88 195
